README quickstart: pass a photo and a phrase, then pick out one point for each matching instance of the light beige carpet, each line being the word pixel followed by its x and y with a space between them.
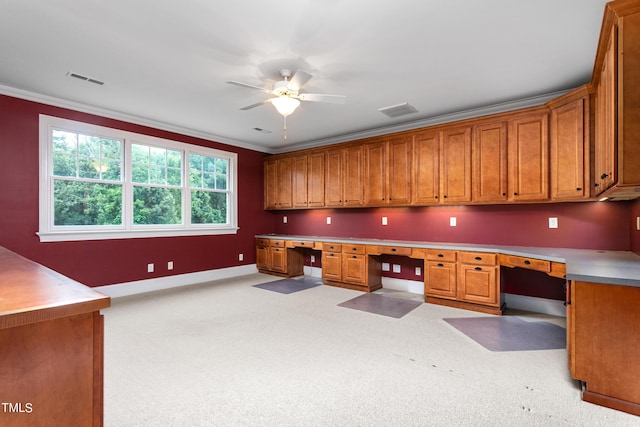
pixel 229 354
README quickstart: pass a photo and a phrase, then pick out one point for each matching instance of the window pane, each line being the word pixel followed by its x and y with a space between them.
pixel 149 165
pixel 209 181
pixel 208 207
pixel 174 159
pixel 64 165
pixel 209 164
pixel 88 167
pixel 221 182
pixel 157 175
pixel 140 154
pixel 152 205
pixel 158 156
pixel 174 177
pixel 87 203
pixel 64 142
pixel 221 166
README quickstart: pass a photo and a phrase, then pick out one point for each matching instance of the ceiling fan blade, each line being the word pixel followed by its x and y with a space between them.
pixel 320 97
pixel 299 79
pixel 257 104
pixel 264 89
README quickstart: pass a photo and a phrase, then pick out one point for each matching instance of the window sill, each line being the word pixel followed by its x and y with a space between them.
pixel 66 236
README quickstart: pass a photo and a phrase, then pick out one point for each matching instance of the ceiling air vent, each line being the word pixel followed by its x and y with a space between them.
pixel 85 78
pixel 398 110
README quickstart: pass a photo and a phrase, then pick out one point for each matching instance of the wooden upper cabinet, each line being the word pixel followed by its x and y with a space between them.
pixel 528 148
pixel 300 181
pixel 353 176
pixel 569 146
pixel 285 183
pixel 426 168
pixel 270 184
pixel 399 170
pixel 315 180
pixel 375 162
pixel 455 181
pixel 490 162
pixel 333 181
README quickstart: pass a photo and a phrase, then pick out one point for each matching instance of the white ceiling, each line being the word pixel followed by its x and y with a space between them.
pixel 166 63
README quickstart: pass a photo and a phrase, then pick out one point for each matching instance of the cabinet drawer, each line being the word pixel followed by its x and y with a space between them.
pixel 277 243
pixel 353 249
pixel 441 255
pixel 331 247
pixel 394 250
pixel 478 258
pixel 530 263
pixel 263 242
pixel 299 244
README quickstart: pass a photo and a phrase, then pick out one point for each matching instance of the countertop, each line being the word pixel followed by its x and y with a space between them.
pixel 597 266
pixel 30 293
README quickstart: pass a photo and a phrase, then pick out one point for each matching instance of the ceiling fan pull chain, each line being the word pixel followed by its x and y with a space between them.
pixel 284 128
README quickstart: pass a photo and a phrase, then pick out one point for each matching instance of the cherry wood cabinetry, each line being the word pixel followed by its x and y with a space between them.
pixel 490 162
pixel 273 257
pixel 528 163
pixel 332 262
pixel 334 193
pixel 440 274
pixel 308 180
pixel 375 173
pixel 479 278
pixel 387 172
pixel 569 140
pixel 603 326
pixel 353 176
pixel 349 266
pixel 617 103
pixel 455 179
pixel 426 168
pixel 300 182
pixel 51 346
pixel 278 190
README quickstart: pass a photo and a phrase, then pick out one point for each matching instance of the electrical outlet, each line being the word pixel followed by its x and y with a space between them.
pixel 170 265
pixel 240 257
pixel 418 271
pixel 313 258
pixel 284 219
pixel 385 266
pixel 452 221
pixel 328 220
pixel 384 220
pixel 396 268
pixel 150 268
pixel 553 222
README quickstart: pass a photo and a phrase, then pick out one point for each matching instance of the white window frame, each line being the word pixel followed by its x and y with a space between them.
pixel 48 232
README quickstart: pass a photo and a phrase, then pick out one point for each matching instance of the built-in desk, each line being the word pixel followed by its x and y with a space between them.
pixel 603 297
pixel 51 347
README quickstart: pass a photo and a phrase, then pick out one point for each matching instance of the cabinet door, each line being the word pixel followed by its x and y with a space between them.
pixel 354 269
pixel 478 284
pixel 299 165
pixel 262 258
pixel 333 178
pixel 440 279
pixel 271 184
pixel 490 162
pixel 353 176
pixel 315 180
pixel 426 168
pixel 278 259
pixel 606 120
pixel 332 266
pixel 399 170
pixel 374 173
pixel 528 158
pixel 456 166
pixel 569 151
pixel 285 183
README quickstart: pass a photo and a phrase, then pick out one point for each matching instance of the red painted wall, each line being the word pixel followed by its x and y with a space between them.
pixel 97 263
pixel 587 225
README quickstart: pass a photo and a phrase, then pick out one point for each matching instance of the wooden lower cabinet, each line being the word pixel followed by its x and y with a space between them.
pixel 272 257
pixel 603 326
pixel 350 267
pixel 469 280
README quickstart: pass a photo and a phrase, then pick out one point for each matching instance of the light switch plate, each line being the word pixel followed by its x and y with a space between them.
pixel 284 219
pixel 328 220
pixel 396 268
pixel 452 221
pixel 385 266
pixel 418 271
pixel 384 220
pixel 553 222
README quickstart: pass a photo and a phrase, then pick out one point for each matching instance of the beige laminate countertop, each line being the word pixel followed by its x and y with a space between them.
pixel 598 266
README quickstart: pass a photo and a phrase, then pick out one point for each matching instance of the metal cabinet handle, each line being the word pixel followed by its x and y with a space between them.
pixel 440 265
pixel 527 262
pixel 478 258
pixel 478 269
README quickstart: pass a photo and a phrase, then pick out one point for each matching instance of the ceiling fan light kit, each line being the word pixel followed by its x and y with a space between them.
pixel 287 94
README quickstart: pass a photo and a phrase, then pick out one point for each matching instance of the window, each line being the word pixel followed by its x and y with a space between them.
pixel 102 183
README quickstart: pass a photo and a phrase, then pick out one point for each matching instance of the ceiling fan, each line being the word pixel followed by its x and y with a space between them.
pixel 286 94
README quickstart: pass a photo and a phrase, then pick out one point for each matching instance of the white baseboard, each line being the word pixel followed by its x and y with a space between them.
pixel 536 305
pixel 178 280
pixel 413 286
